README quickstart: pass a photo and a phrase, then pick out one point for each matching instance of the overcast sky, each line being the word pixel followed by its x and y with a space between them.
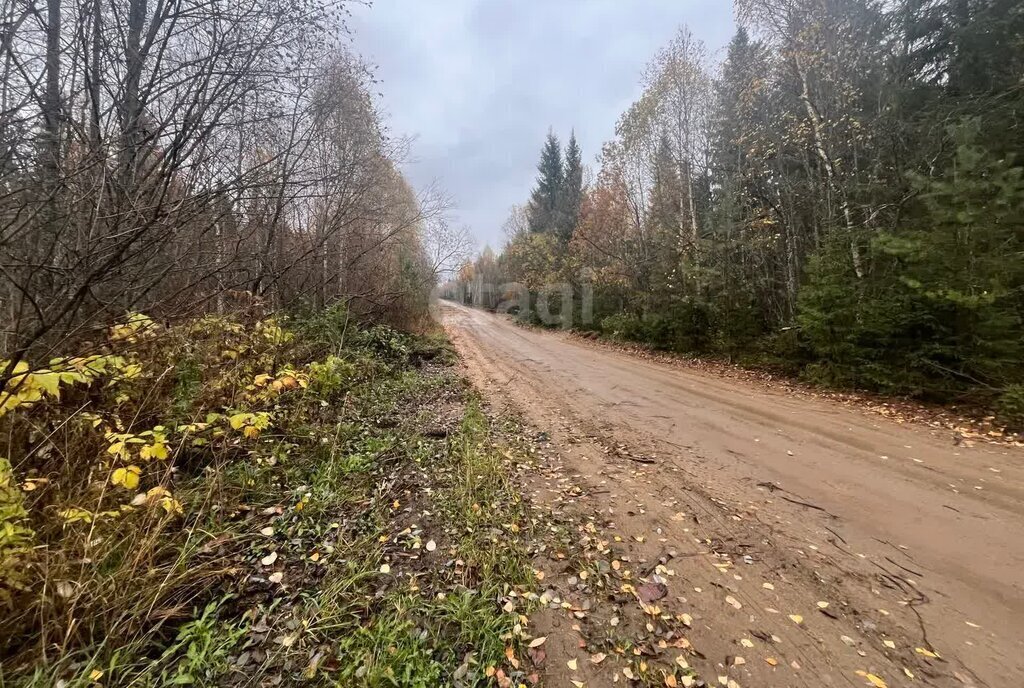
pixel 479 82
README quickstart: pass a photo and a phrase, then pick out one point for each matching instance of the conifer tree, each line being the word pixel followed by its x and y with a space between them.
pixel 572 190
pixel 544 207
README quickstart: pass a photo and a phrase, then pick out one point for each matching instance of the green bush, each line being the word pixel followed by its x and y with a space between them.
pixel 331 377
pixel 1011 406
pixel 16 538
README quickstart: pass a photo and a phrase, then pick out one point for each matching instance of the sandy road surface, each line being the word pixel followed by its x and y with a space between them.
pixel 913 541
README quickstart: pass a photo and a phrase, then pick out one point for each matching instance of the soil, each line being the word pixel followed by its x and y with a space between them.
pixel 807 543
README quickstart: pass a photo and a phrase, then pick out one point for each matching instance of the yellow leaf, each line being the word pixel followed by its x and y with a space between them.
pixel 239 420
pixel 171 505
pixel 157 492
pixel 926 653
pixel 876 681
pixel 95 675
pixel 47 382
pixel 157 450
pixel 251 432
pixel 127 477
pixel 74 514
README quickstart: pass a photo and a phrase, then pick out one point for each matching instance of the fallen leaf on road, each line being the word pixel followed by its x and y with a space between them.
pixel 734 602
pixel 537 642
pixel 875 680
pixel 796 618
pixel 649 592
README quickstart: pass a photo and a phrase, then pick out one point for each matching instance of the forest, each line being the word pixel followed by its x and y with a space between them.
pixel 838 194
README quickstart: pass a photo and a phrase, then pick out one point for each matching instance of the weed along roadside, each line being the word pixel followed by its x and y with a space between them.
pixel 270 503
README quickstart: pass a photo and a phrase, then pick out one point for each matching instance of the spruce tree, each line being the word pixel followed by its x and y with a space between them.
pixel 664 210
pixel 544 206
pixel 572 190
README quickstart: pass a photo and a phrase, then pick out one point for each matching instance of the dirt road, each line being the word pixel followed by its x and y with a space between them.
pixel 769 506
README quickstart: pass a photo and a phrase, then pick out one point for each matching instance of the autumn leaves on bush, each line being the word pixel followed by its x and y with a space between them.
pixel 110 451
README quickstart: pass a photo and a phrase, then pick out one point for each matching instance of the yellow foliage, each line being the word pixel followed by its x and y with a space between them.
pixel 152 444
pixel 16 538
pixel 74 514
pixel 171 505
pixel 136 327
pixel 157 450
pixel 127 477
pixel 250 424
pixel 272 332
pixel 27 387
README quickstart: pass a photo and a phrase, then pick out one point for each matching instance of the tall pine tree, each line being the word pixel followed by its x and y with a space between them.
pixel 543 210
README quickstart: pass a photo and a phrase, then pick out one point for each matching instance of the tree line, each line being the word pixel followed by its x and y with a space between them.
pixel 180 157
pixel 840 194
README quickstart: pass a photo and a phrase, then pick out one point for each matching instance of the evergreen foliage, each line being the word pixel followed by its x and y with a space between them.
pixel 572 189
pixel 544 208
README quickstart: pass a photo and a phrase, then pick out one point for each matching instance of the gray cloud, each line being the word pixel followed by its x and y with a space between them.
pixel 479 82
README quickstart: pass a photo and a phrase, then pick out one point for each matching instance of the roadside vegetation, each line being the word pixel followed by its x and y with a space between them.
pixel 286 500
